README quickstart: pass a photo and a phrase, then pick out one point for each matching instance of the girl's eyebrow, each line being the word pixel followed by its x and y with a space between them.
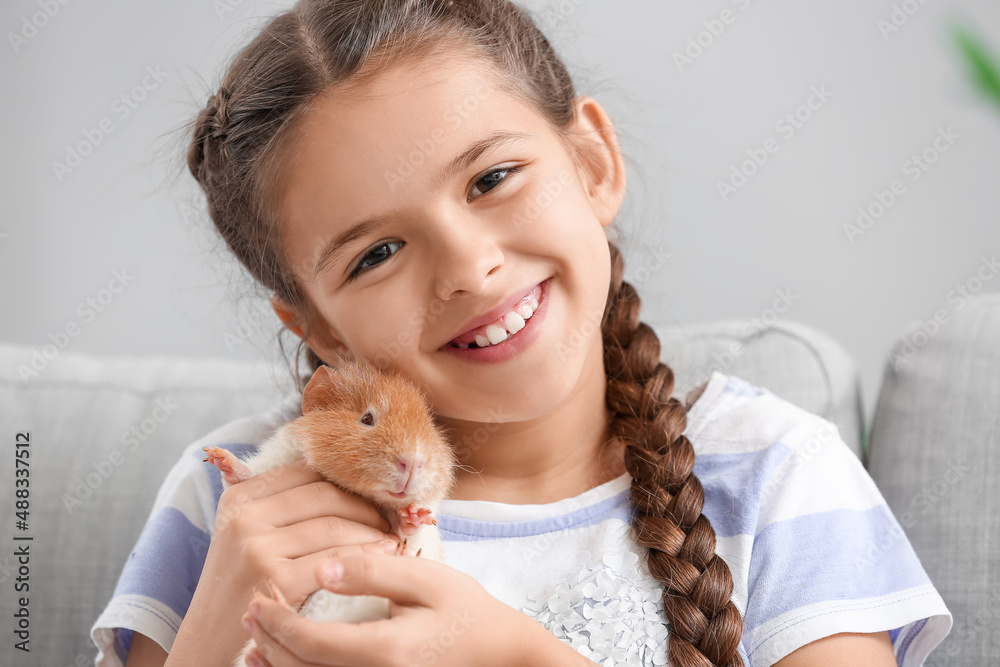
pixel 476 149
pixel 335 247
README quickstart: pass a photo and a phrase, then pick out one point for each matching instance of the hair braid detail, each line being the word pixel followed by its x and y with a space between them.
pixel 666 497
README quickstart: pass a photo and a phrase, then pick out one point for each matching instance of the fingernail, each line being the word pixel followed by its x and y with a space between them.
pixel 253 660
pixel 255 609
pixel 333 572
pixel 388 546
pixel 248 626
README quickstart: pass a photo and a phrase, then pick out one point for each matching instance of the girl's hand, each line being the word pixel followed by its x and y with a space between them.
pixel 438 615
pixel 284 522
pixel 279 525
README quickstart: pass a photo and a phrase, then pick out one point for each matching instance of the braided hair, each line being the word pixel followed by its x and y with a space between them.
pixel 666 496
pixel 235 155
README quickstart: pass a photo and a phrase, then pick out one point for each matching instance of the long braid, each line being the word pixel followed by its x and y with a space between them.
pixel 666 497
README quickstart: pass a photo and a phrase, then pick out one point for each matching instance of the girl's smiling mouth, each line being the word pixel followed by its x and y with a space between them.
pixel 506 334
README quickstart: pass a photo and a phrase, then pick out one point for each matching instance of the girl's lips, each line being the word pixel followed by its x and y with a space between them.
pixel 513 344
pixel 470 336
pixel 493 315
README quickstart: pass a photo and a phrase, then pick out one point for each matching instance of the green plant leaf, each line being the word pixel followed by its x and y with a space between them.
pixel 983 69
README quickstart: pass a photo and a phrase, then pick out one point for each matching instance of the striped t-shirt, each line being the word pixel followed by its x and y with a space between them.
pixel 813 548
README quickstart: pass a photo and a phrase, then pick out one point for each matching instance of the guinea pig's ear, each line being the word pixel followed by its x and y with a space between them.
pixel 322 390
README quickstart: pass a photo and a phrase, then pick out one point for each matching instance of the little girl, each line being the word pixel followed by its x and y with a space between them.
pixel 417 184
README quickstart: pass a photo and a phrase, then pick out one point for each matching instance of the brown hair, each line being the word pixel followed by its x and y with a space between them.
pixel 234 154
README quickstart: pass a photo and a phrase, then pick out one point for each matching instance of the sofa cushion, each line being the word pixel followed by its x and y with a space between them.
pixel 936 457
pixel 792 360
pixel 103 433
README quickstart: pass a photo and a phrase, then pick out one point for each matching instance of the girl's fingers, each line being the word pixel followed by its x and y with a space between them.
pixel 402 579
pixel 320 499
pixel 286 638
pixel 299 580
pixel 276 480
pixel 294 492
pixel 286 635
pixel 320 534
pixel 314 562
pixel 272 654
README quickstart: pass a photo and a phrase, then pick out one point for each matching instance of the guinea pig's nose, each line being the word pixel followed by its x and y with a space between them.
pixel 411 462
pixel 409 465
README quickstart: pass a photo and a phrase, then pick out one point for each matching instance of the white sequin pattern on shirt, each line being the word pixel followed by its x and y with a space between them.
pixel 612 615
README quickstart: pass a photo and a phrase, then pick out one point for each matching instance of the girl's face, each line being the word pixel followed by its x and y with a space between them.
pixel 476 202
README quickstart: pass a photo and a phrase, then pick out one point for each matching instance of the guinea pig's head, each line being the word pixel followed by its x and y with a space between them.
pixel 371 432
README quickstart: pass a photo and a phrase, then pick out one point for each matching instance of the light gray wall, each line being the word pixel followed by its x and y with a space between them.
pixel 130 206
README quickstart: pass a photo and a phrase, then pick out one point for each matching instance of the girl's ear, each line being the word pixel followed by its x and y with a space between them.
pixel 288 316
pixel 322 390
pixel 328 347
pixel 600 161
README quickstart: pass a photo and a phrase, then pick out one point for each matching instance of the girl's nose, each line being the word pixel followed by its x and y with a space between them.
pixel 467 259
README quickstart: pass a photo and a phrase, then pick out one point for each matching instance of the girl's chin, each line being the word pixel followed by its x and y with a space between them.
pixel 496 406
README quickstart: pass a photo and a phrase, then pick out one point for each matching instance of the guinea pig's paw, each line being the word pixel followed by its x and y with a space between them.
pixel 233 470
pixel 412 517
pixel 277 595
pixel 401 548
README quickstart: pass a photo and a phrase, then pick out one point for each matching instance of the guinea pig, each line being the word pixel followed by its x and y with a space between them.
pixel 369 432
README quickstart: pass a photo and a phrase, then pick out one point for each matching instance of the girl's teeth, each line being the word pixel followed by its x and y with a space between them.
pixel 513 322
pixel 509 325
pixel 495 333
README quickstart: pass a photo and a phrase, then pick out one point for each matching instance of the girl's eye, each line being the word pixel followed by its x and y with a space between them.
pixel 491 178
pixel 376 252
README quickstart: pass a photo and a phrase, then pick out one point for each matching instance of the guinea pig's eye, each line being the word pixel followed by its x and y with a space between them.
pixel 368 418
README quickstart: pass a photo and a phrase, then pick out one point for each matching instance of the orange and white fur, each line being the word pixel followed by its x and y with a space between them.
pixel 370 432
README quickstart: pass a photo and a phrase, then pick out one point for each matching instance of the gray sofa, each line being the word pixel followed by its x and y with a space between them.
pixel 104 432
